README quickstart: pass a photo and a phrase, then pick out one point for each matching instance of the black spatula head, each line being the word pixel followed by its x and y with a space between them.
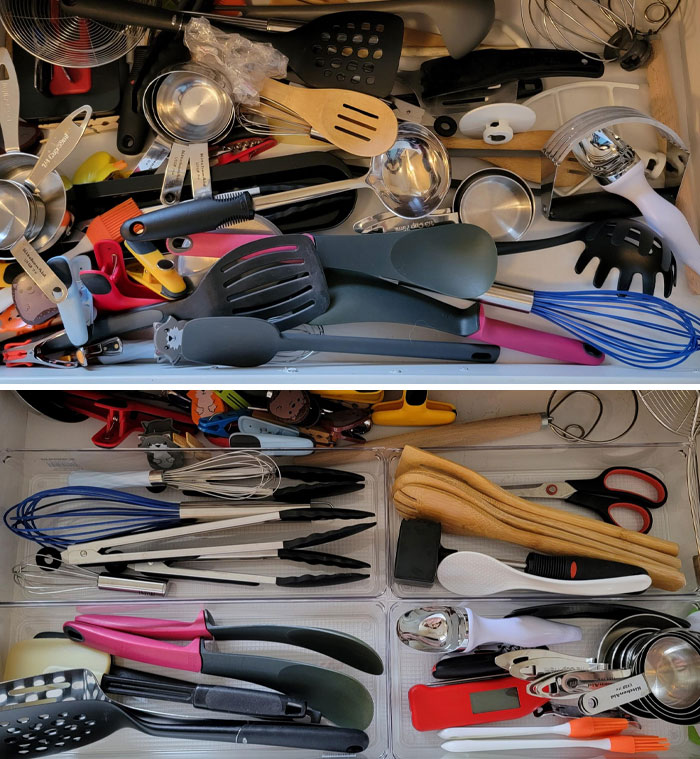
pixel 280 280
pixel 56 712
pixel 634 249
pixel 352 50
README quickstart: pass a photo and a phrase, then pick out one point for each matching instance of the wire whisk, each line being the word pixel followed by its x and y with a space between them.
pixel 273 119
pixel 38 581
pixel 234 475
pixel 609 29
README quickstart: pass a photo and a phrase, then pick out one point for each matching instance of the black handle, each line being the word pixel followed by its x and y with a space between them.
pixel 468 667
pixel 318 474
pixel 603 505
pixel 133 128
pixel 577 567
pixel 591 610
pixel 189 217
pixel 319 581
pixel 248 701
pixel 318 737
pixel 324 559
pixel 305 493
pixel 318 538
pixel 124 12
pixel 490 67
pixel 312 514
pixel 599 206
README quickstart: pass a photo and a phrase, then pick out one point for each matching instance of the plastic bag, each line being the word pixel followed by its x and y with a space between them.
pixel 245 64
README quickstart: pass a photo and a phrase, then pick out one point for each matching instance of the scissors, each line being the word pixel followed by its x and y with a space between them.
pixel 599 496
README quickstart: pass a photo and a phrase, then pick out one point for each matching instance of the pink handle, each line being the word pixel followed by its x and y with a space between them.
pixel 212 244
pixel 136 648
pixel 165 629
pixel 535 342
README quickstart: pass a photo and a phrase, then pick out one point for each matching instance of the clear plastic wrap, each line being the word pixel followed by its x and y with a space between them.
pixel 245 64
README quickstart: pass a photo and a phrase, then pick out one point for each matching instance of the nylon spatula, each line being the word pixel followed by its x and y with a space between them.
pixel 353 50
pixel 50 714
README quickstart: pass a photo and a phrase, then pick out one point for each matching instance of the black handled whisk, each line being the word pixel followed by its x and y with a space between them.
pixel 664 335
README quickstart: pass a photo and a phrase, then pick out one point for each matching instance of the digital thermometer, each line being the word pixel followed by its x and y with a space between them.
pixel 434 707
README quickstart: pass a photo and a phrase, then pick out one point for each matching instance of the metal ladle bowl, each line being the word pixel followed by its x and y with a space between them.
pixel 412 178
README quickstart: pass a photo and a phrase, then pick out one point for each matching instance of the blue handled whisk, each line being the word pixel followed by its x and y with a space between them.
pixel 664 335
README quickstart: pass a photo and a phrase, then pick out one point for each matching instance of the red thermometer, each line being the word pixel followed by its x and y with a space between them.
pixel 434 707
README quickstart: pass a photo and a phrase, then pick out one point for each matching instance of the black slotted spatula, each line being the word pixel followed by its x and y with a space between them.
pixel 281 281
pixel 350 50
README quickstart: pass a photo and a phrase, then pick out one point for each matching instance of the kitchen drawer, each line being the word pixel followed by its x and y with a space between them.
pixel 365 620
pixel 29 471
pixel 546 270
pixel 410 667
pixel 527 465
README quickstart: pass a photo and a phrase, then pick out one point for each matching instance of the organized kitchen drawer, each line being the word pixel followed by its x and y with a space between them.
pixel 651 107
pixel 527 465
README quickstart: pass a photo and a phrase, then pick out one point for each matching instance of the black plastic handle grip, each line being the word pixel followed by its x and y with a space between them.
pixel 189 217
pixel 315 491
pixel 316 737
pixel 319 557
pixel 248 701
pixel 490 67
pixel 133 128
pixel 318 474
pixel 468 667
pixel 577 567
pixel 311 515
pixel 319 581
pixel 318 538
pixel 124 12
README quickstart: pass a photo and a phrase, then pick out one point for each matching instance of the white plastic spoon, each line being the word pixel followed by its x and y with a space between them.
pixel 472 574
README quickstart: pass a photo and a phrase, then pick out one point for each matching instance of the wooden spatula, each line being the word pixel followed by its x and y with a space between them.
pixel 357 123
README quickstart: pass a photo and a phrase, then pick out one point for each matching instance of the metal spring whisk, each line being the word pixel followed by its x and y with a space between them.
pixel 606 28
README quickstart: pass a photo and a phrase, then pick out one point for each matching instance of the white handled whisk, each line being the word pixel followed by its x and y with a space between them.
pixel 233 475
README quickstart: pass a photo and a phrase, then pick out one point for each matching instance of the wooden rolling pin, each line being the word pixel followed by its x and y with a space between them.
pixel 420 502
pixel 413 459
pixel 547 520
pixel 451 435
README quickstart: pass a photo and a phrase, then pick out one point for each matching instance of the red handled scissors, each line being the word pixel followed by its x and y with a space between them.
pixel 599 495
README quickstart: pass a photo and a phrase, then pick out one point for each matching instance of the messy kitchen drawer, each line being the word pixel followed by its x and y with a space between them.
pixel 294 165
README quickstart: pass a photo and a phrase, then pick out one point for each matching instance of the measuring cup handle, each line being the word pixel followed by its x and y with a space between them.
pixel 9 102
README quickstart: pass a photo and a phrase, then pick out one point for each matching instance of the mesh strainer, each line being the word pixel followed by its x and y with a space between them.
pixel 44 31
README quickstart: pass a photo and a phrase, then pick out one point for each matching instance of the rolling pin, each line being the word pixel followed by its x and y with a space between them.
pixel 451 435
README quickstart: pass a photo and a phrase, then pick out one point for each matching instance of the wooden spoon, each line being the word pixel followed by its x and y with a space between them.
pixel 416 501
pixel 357 123
pixel 413 458
pixel 547 517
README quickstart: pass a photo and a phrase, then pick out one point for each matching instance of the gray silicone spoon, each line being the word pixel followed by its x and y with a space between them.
pixel 459 260
pixel 242 341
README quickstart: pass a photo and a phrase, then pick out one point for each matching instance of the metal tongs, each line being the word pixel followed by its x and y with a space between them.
pixel 102 551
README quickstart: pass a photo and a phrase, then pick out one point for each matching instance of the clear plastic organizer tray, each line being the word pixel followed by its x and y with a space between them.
pixel 23 472
pixel 366 621
pixel 409 667
pixel 527 465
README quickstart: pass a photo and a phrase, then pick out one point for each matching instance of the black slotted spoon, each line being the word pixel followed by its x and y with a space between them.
pixel 282 282
pixel 351 50
pixel 66 710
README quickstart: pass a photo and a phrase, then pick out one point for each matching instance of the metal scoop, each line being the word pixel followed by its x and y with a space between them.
pixel 446 628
